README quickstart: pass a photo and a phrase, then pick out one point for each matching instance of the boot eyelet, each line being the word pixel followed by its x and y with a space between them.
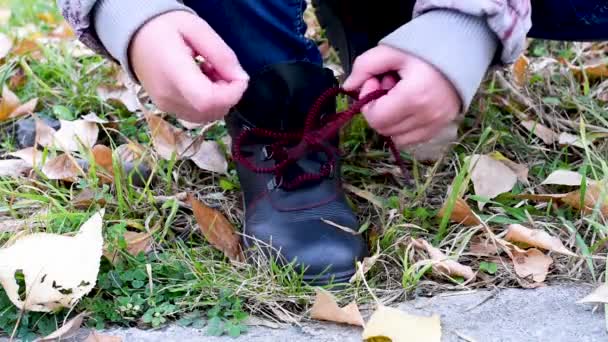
pixel 274 183
pixel 267 153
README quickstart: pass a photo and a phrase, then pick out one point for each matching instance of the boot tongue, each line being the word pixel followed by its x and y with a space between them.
pixel 279 97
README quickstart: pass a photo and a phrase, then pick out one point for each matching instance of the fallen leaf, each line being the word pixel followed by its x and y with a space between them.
pixel 13 168
pixel 531 262
pixel 593 71
pixel 73 134
pixel 121 94
pixel 18 79
pixel 388 324
pixel 67 330
pixel 138 242
pixel 44 134
pixel 520 70
pixel 86 198
pixel 63 31
pixel 461 213
pixel 103 158
pixel 366 195
pixel 54 277
pixel 6 44
pixel 27 46
pixel 325 308
pixel 536 238
pixel 541 197
pixel 441 263
pixel 217 229
pixel 483 247
pixel 30 155
pixel 547 135
pixel 92 117
pixel 563 177
pixel 599 295
pixel 5 15
pixel 570 140
pixel 11 107
pixel 62 167
pixel 521 171
pixel 130 152
pixel 13 226
pixel 168 139
pixel 490 177
pixel 97 337
pixel 364 267
pixel 210 157
pixel 593 194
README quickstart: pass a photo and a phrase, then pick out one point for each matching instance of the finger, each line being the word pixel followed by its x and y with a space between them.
pixel 207 43
pixel 420 135
pixel 390 109
pixel 369 86
pixel 374 62
pixel 388 81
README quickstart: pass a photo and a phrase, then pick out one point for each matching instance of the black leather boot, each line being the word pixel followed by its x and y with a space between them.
pixel 311 224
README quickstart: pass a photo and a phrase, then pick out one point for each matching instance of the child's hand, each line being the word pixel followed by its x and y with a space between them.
pixel 420 103
pixel 162 56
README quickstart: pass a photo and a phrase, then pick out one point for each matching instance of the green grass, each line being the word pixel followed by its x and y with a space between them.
pixel 186 280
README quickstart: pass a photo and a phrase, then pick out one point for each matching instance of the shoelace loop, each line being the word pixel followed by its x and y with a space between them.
pixel 311 138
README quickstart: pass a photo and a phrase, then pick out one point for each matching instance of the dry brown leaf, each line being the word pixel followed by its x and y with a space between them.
pixel 73 134
pixel 13 168
pixel 490 177
pixel 210 157
pixel 563 177
pixel 217 229
pixel 483 247
pixel 393 325
pixel 103 158
pixel 44 134
pixel 521 171
pixel 364 267
pixel 593 71
pixel 541 197
pixel 97 337
pixel 168 139
pixel 85 198
pixel 62 167
pixel 461 213
pixel 599 295
pixel 67 330
pixel 325 308
pixel 92 117
pixel 441 263
pixel 6 44
pixel 536 238
pixel 366 195
pixel 30 155
pixel 545 134
pixel 520 70
pixel 11 106
pixel 528 263
pixel 27 46
pixel 593 194
pixel 570 140
pixel 120 94
pixel 137 242
pixel 18 79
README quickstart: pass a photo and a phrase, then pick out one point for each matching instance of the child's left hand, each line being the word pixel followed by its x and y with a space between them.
pixel 420 102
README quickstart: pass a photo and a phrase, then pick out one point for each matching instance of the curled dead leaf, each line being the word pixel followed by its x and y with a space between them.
pixel 120 94
pixel 461 213
pixel 564 177
pixel 11 107
pixel 520 70
pixel 217 229
pixel 441 263
pixel 528 263
pixel 593 195
pixel 137 242
pixel 536 238
pixel 62 167
pixel 73 134
pixel 325 308
pixel 67 330
pixel 547 135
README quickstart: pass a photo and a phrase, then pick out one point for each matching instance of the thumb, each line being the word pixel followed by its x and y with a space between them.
pixel 208 44
pixel 375 62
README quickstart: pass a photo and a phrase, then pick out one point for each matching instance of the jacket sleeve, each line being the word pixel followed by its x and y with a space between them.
pixel 108 26
pixel 462 38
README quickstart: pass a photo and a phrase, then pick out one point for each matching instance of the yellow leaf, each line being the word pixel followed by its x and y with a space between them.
pixel 536 238
pixel 217 229
pixel 392 325
pixel 58 270
pixel 325 308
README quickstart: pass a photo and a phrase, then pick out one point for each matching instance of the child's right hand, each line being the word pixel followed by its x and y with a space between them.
pixel 162 56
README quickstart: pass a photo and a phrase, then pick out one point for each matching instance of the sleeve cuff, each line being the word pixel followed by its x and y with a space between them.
pixel 117 21
pixel 461 46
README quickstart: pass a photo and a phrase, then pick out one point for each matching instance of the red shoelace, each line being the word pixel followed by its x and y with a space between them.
pixel 311 138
